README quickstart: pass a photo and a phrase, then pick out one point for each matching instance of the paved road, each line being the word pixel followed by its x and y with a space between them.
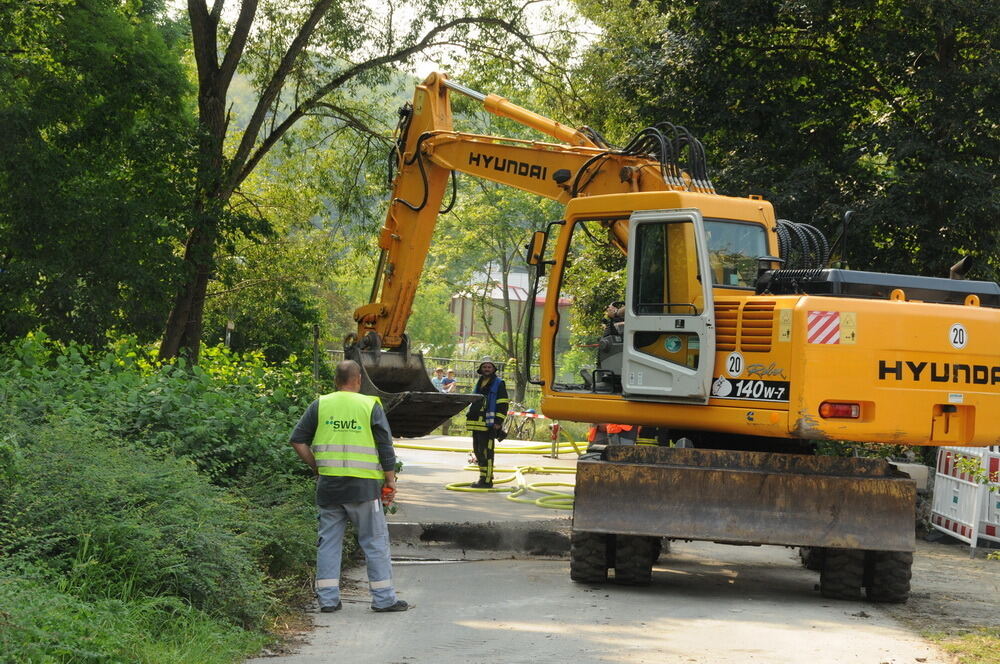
pixel 708 603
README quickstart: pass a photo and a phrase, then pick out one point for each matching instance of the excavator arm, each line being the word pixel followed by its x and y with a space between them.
pixel 428 152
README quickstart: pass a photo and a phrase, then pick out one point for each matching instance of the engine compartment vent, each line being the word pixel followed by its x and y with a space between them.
pixel 757 326
pixel 727 315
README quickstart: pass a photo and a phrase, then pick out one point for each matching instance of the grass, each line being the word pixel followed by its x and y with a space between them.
pixel 981 646
pixel 39 623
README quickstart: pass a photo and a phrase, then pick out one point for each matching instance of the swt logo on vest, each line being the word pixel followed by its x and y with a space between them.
pixel 344 425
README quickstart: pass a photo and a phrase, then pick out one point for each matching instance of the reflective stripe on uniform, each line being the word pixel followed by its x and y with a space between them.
pixel 327 583
pixel 477 424
pixel 377 585
pixel 356 449
pixel 348 463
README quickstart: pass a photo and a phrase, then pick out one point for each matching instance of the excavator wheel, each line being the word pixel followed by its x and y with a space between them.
pixel 812 557
pixel 588 557
pixel 634 557
pixel 890 573
pixel 842 574
pixel 661 545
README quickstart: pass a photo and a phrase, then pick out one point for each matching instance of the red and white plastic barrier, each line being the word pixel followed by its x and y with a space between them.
pixel 963 507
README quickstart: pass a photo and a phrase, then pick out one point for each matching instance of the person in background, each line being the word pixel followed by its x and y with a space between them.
pixel 438 379
pixel 449 383
pixel 612 434
pixel 485 420
pixel 344 438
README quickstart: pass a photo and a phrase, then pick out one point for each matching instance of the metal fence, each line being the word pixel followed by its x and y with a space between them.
pixel 963 507
pixel 465 372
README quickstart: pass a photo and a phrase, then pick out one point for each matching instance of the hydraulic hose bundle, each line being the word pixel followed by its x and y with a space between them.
pixel 665 142
pixel 804 251
pixel 803 247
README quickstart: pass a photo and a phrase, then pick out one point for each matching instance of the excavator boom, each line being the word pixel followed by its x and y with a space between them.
pixel 428 152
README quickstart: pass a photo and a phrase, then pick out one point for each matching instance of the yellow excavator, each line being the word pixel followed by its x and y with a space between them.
pixel 736 337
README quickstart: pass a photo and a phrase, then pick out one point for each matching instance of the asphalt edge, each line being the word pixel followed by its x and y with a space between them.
pixel 541 538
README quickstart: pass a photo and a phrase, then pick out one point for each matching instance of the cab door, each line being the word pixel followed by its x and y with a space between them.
pixel 669 344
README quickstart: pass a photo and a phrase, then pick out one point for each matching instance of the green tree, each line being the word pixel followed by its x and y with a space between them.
pixel 481 244
pixel 94 164
pixel 316 58
pixel 889 108
pixel 265 290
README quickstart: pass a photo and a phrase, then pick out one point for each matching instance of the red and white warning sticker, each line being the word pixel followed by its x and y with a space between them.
pixel 823 327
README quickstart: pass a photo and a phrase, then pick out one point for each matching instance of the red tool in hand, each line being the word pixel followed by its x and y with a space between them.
pixel 388 506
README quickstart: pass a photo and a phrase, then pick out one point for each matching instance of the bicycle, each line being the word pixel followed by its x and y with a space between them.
pixel 519 423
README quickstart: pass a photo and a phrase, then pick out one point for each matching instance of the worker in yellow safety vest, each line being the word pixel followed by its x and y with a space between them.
pixel 344 438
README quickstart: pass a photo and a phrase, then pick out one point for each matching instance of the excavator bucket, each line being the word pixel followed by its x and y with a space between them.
pixel 412 404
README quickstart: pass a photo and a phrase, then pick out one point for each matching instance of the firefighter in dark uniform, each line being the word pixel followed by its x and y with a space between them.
pixel 485 420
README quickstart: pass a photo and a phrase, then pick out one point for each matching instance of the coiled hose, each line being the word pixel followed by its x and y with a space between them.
pixel 519 486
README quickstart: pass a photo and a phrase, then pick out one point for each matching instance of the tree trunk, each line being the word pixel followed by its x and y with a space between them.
pixel 183 332
pixel 184 326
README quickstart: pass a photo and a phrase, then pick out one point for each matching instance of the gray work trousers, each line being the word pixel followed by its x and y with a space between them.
pixel 373 536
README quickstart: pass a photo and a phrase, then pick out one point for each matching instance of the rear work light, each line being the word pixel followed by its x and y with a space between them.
pixel 829 409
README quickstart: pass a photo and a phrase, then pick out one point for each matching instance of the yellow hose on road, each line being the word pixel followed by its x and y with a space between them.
pixel 558 500
pixel 533 449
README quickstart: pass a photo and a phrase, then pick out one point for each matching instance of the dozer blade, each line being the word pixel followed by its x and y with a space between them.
pixel 413 406
pixel 746 498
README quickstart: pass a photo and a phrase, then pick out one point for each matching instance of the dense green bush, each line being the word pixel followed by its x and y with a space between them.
pixel 139 498
pixel 229 414
pixel 120 523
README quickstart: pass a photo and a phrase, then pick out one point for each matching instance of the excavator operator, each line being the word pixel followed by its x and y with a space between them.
pixel 614 320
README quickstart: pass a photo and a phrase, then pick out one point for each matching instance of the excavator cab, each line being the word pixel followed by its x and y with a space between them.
pixel 666 348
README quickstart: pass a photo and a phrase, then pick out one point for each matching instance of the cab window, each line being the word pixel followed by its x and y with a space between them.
pixel 733 250
pixel 666 279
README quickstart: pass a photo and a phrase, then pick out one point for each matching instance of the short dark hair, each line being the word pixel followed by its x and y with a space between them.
pixel 347 370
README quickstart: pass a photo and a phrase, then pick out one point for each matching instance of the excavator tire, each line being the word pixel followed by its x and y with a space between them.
pixel 842 574
pixel 890 576
pixel 812 557
pixel 660 546
pixel 588 557
pixel 634 557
